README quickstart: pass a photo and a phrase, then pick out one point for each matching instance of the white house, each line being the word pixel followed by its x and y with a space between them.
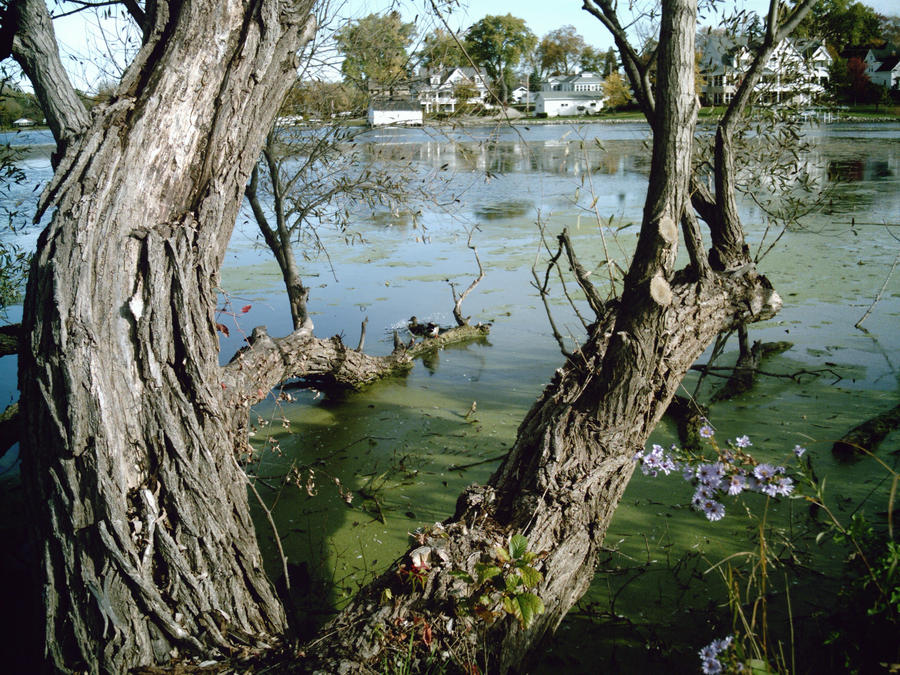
pixel 521 95
pixel 796 72
pixel 568 103
pixel 885 71
pixel 436 89
pixel 402 113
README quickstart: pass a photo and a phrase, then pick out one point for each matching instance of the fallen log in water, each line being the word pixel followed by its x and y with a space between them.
pixel 866 437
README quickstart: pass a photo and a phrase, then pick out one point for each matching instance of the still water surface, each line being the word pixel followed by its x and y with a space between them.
pixel 398 445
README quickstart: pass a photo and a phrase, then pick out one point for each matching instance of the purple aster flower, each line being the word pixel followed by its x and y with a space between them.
pixel 711 474
pixel 706 431
pixel 743 441
pixel 704 493
pixel 764 472
pixel 736 484
pixel 784 486
pixel 799 450
pixel 713 510
pixel 770 489
pixel 711 666
pixel 724 643
pixel 709 652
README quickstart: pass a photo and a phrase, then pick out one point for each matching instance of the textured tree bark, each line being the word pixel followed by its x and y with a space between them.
pixel 128 449
pixel 562 480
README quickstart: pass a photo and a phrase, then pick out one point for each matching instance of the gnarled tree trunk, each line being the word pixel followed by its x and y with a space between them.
pixel 129 438
pixel 573 457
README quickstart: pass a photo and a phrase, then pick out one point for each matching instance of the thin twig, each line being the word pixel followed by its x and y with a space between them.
pixel 865 316
pixel 284 567
pixel 458 300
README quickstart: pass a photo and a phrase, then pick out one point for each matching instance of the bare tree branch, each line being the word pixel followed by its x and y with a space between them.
pixel 458 299
pixel 35 50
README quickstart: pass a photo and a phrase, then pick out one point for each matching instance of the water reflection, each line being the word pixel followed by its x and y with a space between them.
pixel 853 170
pixel 518 156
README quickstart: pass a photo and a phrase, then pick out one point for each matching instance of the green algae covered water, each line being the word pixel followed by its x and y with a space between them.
pixel 347 480
pixel 403 449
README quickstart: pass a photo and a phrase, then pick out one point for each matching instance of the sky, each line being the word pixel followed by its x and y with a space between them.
pixel 80 35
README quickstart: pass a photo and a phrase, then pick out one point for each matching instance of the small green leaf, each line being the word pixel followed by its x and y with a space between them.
pixel 501 554
pixel 530 576
pixel 486 571
pixel 511 583
pixel 524 606
pixel 759 667
pixel 462 574
pixel 518 546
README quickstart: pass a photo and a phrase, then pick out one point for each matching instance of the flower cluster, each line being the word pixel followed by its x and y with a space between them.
pixel 709 656
pixel 733 472
pixel 656 460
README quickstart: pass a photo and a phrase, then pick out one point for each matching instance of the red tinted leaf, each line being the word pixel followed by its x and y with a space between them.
pixel 245 309
pixel 222 328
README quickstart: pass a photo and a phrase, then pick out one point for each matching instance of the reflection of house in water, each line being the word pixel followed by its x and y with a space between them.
pixel 567 156
pixel 855 170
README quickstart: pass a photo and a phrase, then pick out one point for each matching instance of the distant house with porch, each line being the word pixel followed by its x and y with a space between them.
pixel 394 113
pixel 437 89
pixel 796 72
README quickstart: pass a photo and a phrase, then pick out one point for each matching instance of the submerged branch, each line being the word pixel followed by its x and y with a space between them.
pixel 890 273
pixel 866 437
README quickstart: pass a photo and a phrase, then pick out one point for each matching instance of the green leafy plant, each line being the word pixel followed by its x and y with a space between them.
pixel 506 581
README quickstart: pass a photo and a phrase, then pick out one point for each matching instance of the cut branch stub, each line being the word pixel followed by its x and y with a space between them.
pixel 660 290
pixel 668 230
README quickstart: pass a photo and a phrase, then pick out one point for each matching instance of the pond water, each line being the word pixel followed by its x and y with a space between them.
pixel 406 447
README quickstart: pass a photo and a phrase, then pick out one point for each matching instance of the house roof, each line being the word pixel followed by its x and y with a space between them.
pixel 410 106
pixel 888 64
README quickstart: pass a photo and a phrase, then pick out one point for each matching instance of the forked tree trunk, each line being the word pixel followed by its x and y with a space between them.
pixel 564 477
pixel 129 443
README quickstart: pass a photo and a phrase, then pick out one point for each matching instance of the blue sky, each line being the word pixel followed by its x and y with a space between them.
pixel 543 16
pixel 79 35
